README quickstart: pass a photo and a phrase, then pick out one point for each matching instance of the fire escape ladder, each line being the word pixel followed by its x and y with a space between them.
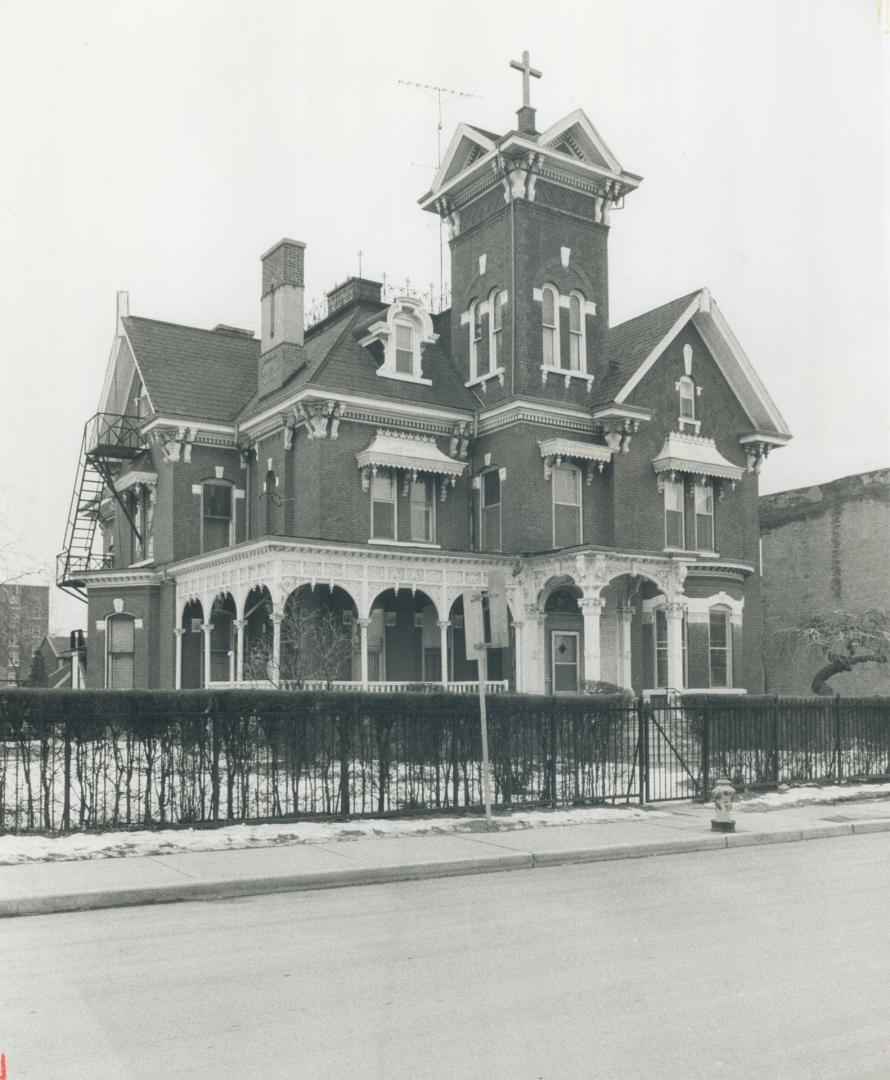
pixel 108 441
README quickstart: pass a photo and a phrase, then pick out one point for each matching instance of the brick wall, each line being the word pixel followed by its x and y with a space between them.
pixel 143 603
pixel 825 548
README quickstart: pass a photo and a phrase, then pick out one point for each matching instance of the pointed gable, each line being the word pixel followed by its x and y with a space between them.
pixel 467 145
pixel 633 347
pixel 576 137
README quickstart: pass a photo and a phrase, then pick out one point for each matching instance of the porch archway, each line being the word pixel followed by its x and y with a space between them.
pixel 319 636
pixel 404 640
pixel 258 634
pixel 191 645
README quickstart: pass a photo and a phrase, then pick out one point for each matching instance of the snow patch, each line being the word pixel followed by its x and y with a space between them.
pixel 812 795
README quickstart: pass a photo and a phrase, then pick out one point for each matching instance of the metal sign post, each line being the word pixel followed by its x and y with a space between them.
pixel 479 642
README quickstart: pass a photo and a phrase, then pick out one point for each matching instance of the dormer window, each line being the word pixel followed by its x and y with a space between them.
pixel 402 331
pixel 550 325
pixel 405 348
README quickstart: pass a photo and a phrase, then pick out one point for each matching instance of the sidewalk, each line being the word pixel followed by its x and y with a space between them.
pixel 33 888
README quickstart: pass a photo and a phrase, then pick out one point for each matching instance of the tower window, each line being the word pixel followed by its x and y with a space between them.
pixel 496 307
pixel 577 359
pixel 550 325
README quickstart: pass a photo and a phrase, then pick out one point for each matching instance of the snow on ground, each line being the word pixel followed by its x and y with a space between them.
pixel 811 795
pixel 110 845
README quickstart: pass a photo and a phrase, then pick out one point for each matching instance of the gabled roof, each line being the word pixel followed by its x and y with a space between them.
pixel 467 144
pixel 576 136
pixel 633 347
pixel 200 374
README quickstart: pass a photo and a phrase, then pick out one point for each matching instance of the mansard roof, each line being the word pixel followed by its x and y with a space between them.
pixel 633 347
pixel 337 363
pixel 200 374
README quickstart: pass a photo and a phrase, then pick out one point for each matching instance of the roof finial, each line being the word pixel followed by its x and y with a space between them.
pixel 527 70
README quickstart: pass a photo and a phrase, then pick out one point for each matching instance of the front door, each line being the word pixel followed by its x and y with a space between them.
pixel 564 660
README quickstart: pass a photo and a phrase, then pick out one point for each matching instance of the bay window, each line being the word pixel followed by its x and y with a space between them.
pixel 720 647
pixel 704 516
pixel 674 514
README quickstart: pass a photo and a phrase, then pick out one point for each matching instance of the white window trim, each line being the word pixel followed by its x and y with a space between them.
pixel 553 503
pixel 218 483
pixel 395 511
pixel 652 608
pixel 137 624
pixel 495 337
pixel 476 310
pixel 565 633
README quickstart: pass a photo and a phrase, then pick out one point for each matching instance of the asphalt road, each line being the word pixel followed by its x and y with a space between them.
pixel 768 962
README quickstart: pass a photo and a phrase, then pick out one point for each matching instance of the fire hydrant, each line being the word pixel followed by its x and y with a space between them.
pixel 723 793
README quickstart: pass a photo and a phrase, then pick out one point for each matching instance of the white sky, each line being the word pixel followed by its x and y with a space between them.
pixel 161 147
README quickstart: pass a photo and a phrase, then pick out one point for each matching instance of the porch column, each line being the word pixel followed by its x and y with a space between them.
pixel 625 620
pixel 363 625
pixel 533 651
pixel 206 628
pixel 275 663
pixel 674 616
pixel 443 625
pixel 517 655
pixel 239 649
pixel 592 610
pixel 177 676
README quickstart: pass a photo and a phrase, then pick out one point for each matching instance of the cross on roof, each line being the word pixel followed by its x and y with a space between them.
pixel 527 70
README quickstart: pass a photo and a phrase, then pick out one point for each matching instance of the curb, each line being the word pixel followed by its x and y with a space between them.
pixel 334 879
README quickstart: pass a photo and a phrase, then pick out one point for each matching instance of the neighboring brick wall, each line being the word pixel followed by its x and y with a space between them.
pixel 825 548
pixel 24 623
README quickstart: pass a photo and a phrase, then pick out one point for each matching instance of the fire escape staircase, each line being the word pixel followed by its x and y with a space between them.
pixel 109 440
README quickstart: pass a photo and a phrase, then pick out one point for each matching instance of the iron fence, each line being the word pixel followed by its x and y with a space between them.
pixel 83 759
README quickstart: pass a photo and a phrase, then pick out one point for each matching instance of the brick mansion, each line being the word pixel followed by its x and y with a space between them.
pixel 364 471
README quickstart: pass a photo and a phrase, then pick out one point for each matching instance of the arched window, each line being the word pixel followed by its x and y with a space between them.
pixel 496 330
pixel 687 398
pixel 550 325
pixel 577 337
pixel 475 339
pixel 720 646
pixel 120 633
pixel 566 481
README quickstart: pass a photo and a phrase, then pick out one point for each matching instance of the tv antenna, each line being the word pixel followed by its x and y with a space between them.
pixel 451 94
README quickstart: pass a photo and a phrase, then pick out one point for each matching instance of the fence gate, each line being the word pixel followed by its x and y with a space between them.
pixel 674 757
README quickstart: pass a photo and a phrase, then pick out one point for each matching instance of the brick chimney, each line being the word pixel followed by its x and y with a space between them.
pixel 281 352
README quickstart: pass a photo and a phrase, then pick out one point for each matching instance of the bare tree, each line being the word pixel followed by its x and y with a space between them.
pixel 316 645
pixel 844 638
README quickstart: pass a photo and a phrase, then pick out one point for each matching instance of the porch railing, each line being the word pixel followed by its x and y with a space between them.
pixel 492 686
